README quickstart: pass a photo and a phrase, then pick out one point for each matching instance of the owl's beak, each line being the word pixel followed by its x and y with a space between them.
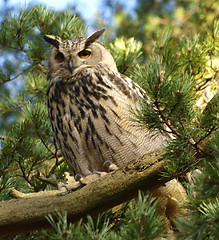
pixel 70 66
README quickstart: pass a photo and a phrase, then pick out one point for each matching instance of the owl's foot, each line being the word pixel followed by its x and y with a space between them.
pixel 70 187
pixel 82 181
pixel 110 166
pixel 90 178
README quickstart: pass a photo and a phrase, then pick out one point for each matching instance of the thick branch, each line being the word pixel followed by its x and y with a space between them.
pixel 25 215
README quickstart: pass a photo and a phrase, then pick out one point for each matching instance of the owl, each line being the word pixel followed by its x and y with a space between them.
pixel 89 104
pixel 91 107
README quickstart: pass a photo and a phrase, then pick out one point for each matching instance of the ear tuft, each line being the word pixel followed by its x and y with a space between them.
pixel 94 36
pixel 55 41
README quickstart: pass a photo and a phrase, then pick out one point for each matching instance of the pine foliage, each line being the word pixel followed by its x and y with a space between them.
pixel 141 221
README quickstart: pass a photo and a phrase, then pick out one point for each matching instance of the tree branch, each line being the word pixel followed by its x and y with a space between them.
pixel 25 215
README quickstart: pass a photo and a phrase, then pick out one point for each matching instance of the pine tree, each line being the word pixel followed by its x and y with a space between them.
pixel 30 124
pixel 179 71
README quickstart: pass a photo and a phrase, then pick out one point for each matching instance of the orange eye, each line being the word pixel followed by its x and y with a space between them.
pixel 60 57
pixel 84 54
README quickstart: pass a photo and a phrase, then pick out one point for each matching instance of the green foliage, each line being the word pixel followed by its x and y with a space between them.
pixel 177 77
pixel 209 116
pixel 206 182
pixel 126 53
pixel 207 225
pixel 152 18
pixel 92 230
pixel 142 221
pixel 173 79
pixel 27 145
pixel 36 22
pixel 202 222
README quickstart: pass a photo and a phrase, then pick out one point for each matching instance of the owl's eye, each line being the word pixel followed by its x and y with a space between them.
pixel 60 57
pixel 84 54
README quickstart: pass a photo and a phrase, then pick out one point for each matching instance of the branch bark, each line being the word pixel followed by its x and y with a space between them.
pixel 25 215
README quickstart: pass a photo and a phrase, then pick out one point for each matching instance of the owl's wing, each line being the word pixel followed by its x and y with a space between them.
pixel 111 132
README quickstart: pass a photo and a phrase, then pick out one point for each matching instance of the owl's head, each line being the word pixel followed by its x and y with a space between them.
pixel 69 56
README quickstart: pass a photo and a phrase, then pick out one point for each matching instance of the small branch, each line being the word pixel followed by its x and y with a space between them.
pixel 206 80
pixel 208 133
pixel 24 174
pixel 21 195
pixel 40 137
pixel 31 168
pixel 191 141
pixel 181 123
pixel 173 131
pixel 11 79
pixel 21 104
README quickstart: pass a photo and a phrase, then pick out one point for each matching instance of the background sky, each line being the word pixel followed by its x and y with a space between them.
pixel 88 9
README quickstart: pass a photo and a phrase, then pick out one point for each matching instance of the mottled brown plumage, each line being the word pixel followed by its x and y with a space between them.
pixel 89 104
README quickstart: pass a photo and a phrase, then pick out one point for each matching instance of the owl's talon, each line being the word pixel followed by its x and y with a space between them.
pixel 97 172
pixel 92 177
pixel 78 177
pixel 71 186
pixel 80 182
pixel 107 163
pixel 110 166
pixel 63 186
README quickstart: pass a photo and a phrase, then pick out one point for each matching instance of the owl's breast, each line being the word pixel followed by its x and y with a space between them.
pixel 92 122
